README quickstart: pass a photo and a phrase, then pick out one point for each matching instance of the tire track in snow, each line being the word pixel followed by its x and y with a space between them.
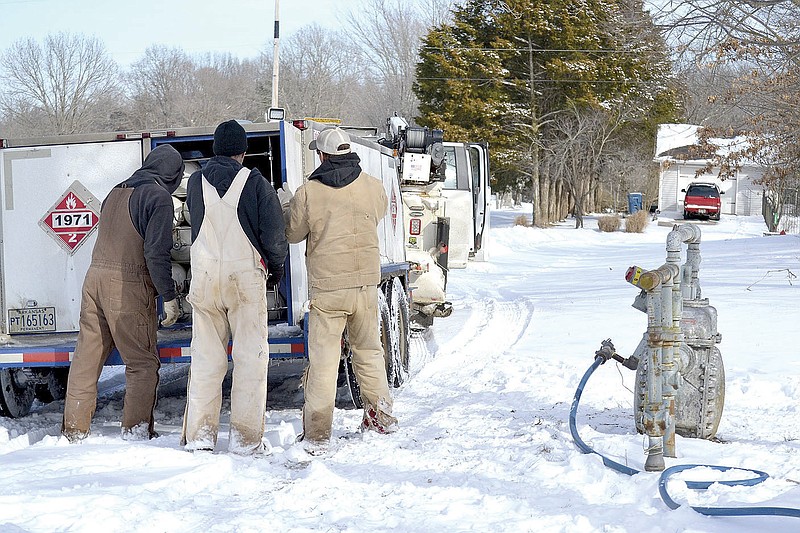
pixel 492 328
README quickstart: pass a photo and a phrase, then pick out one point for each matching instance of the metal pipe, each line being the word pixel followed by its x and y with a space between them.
pixel 668 364
pixel 653 415
pixel 690 234
pixel 672 334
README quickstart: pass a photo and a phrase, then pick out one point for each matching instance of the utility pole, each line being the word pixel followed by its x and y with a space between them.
pixel 275 113
pixel 275 58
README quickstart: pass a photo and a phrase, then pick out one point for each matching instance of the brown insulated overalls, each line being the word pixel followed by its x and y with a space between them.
pixel 117 310
pixel 229 298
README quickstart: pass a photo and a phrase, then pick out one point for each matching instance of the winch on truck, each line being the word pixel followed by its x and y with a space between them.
pixel 51 190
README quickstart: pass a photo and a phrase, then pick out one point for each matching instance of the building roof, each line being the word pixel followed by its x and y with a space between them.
pixel 680 142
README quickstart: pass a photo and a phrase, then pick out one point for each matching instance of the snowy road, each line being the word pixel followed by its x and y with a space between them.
pixel 484 443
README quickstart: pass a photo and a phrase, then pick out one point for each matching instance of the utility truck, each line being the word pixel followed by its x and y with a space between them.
pixel 51 191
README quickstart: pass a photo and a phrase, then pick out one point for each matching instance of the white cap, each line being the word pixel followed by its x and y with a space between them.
pixel 330 141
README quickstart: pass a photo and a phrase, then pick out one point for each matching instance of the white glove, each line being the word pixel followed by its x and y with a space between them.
pixel 172 312
pixel 284 196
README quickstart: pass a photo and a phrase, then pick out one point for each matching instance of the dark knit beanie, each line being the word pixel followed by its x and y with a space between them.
pixel 230 139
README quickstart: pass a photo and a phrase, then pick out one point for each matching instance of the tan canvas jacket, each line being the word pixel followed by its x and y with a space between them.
pixel 340 228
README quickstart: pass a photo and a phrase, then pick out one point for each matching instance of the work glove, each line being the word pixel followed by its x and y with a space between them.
pixel 284 196
pixel 171 311
pixel 274 278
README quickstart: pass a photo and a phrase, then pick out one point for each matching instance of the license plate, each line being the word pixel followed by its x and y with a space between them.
pixel 701 211
pixel 31 319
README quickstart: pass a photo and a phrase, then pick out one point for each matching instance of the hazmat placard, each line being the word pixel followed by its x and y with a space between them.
pixel 72 218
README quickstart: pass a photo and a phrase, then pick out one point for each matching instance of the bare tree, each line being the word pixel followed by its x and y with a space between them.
pixel 160 85
pixel 711 27
pixel 320 74
pixel 225 87
pixel 55 88
pixel 436 12
pixel 361 75
pixel 711 95
pixel 760 41
pixel 579 144
pixel 389 34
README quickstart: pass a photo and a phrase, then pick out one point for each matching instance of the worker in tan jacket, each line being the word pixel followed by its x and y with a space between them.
pixel 337 213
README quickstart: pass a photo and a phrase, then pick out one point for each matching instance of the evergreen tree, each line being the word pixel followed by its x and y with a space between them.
pixel 503 69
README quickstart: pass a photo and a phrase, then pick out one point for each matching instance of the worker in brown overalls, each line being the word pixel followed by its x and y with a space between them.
pixel 130 265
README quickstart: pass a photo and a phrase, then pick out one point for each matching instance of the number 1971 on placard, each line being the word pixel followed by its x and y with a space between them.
pixel 74 219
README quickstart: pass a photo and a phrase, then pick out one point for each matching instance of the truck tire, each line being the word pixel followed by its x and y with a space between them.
pixel 54 386
pixel 16 395
pixel 349 375
pixel 347 352
pixel 385 327
pixel 398 363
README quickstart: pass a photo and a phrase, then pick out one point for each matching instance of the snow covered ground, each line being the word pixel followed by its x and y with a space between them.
pixel 484 443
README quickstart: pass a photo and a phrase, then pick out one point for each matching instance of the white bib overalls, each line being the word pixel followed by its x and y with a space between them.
pixel 228 297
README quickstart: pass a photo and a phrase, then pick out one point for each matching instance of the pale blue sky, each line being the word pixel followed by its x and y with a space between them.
pixel 241 27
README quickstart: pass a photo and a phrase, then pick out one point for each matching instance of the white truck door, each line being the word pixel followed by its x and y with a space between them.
pixel 481 191
pixel 292 153
pixel 46 196
pixel 457 189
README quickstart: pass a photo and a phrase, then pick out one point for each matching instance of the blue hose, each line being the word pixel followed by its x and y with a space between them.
pixel 662 482
pixel 573 429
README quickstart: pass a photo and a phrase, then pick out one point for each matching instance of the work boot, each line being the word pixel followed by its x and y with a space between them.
pixel 138 432
pixel 379 421
pixel 259 450
pixel 74 435
pixel 317 448
pixel 199 446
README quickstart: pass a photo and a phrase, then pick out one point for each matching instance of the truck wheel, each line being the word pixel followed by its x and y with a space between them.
pixel 386 335
pixel 16 395
pixel 385 327
pixel 398 363
pixel 349 374
pixel 54 386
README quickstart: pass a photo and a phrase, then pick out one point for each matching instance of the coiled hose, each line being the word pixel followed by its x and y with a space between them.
pixel 662 482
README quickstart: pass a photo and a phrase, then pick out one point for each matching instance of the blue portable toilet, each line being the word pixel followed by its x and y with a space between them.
pixel 634 202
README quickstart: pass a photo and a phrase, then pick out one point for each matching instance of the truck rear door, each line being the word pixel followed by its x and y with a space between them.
pixel 50 197
pixel 292 154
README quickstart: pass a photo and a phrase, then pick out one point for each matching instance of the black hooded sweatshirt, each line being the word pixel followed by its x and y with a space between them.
pixel 338 170
pixel 259 210
pixel 152 212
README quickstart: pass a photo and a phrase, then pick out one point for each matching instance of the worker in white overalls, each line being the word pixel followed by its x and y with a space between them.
pixel 237 229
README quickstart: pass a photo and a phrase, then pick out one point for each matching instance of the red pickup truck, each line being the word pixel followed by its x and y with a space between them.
pixel 702 200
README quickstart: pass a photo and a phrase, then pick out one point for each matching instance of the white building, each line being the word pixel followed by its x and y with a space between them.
pixel 678 168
